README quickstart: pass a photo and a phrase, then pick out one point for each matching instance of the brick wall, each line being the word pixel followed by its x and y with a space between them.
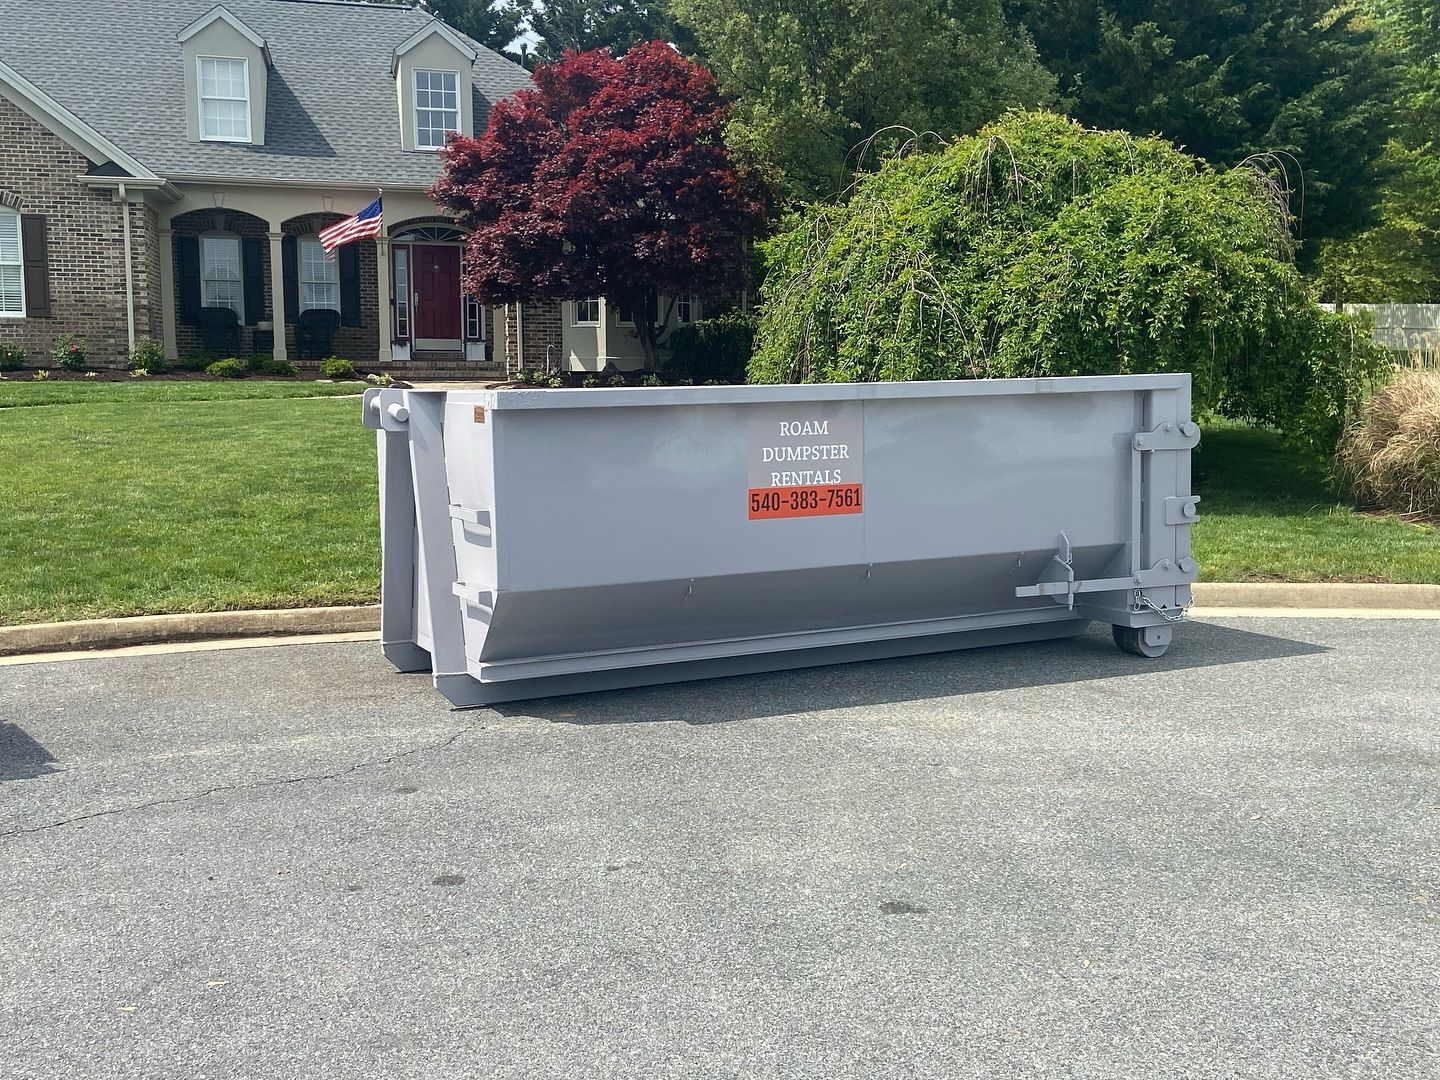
pixel 541 323
pixel 358 344
pixel 86 248
pixel 196 222
pixel 542 334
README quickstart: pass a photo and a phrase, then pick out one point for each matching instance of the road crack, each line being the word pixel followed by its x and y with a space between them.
pixel 279 781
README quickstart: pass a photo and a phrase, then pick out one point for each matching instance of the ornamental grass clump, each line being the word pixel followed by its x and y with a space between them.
pixel 1391 455
pixel 1038 247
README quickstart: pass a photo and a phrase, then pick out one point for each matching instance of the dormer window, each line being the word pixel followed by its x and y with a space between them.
pixel 227 73
pixel 437 107
pixel 433 70
pixel 224 95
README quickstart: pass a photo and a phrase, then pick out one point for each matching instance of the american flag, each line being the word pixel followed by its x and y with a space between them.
pixel 366 223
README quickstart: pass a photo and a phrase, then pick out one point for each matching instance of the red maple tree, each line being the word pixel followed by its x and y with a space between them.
pixel 607 178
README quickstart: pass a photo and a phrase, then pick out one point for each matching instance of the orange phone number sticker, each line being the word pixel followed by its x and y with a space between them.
pixel 816 500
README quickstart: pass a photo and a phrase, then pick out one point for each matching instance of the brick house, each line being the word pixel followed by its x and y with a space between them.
pixel 160 157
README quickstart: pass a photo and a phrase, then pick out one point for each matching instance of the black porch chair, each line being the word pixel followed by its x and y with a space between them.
pixel 220 330
pixel 315 333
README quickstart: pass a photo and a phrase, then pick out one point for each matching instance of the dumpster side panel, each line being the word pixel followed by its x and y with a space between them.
pixel 655 493
pixel 566 536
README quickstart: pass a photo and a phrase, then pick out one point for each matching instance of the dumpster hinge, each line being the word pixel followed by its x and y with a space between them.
pixel 1169 436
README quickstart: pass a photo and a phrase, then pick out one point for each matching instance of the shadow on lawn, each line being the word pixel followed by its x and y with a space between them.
pixel 21 757
pixel 1087 658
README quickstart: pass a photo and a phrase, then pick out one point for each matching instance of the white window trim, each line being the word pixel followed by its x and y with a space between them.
pixel 400 253
pixel 415 105
pixel 575 319
pixel 300 268
pixel 200 101
pixel 6 212
pixel 240 281
pixel 482 316
pixel 689 301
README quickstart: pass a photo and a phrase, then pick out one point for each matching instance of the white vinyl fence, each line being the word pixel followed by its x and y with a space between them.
pixel 1402 327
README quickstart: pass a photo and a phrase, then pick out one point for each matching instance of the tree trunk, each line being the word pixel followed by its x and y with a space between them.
pixel 646 329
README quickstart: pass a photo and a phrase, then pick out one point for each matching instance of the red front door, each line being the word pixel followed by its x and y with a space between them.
pixel 437 294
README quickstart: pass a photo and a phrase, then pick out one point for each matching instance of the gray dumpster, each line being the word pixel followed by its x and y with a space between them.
pixel 538 542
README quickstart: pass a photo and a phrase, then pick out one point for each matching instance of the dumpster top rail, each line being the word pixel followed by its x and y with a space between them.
pixel 580 398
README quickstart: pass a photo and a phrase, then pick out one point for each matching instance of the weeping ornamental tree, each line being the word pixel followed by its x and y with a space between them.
pixel 608 178
pixel 1038 247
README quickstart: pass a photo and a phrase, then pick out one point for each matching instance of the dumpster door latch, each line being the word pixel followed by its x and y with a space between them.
pixel 1058 580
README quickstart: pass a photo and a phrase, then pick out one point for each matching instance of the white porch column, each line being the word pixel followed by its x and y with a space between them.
pixel 167 293
pixel 382 279
pixel 277 294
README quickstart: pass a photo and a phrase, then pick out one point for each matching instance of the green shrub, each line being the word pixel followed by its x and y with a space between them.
pixel 651 380
pixel 616 380
pixel 229 368
pixel 275 369
pixel 41 375
pixel 1391 455
pixel 381 379
pixel 717 348
pixel 69 352
pixel 12 356
pixel 199 360
pixel 1038 247
pixel 337 368
pixel 148 356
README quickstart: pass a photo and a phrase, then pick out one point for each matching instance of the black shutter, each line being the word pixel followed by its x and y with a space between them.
pixel 35 257
pixel 290 270
pixel 350 285
pixel 252 262
pixel 187 270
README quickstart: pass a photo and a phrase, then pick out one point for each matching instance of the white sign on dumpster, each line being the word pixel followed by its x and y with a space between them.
pixel 807 463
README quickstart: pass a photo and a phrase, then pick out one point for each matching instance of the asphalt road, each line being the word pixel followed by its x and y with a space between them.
pixel 1052 860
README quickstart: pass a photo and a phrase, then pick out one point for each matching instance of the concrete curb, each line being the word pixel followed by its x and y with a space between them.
pixel 1285 594
pixel 202 626
pixel 153 629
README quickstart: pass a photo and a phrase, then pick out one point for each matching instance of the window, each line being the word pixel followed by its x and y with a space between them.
pixel 586 312
pixel 12 271
pixel 402 294
pixel 220 278
pixel 685 309
pixel 624 315
pixel 319 277
pixel 437 107
pixel 474 319
pixel 224 99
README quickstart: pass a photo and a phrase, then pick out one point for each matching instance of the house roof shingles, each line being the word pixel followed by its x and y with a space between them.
pixel 331 115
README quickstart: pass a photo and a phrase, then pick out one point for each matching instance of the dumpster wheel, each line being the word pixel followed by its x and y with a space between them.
pixel 1151 641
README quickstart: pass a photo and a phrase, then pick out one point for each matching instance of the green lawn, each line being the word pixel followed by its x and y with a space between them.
pixel 127 499
pixel 1265 517
pixel 17 393
pixel 150 498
